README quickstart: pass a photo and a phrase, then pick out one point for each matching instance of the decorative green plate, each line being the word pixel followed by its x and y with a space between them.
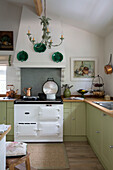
pixel 39 47
pixel 22 56
pixel 57 57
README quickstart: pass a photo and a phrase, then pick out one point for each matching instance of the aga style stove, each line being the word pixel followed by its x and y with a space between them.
pixel 38 120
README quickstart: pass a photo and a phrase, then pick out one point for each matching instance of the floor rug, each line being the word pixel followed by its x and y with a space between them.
pixel 48 156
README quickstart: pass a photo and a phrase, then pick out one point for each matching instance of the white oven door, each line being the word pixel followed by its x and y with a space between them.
pixel 49 129
pixel 26 129
pixel 49 113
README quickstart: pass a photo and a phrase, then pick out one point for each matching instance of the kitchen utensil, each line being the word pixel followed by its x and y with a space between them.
pixel 108 67
pixel 39 47
pixel 82 92
pixel 42 96
pixel 97 87
pixel 28 91
pixel 57 57
pixel 98 93
pixel 10 91
pixel 22 56
pixel 67 92
pixel 50 88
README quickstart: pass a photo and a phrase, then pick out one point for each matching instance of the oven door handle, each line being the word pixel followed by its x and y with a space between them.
pixel 27 113
pixel 37 129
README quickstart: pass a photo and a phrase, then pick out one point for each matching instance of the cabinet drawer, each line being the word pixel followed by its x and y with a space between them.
pixel 10 104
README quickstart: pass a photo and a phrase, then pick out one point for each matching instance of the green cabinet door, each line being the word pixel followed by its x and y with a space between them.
pixel 2 112
pixel 94 127
pixel 74 120
pixel 107 141
pixel 7 117
pixel 89 122
pixel 80 118
pixel 67 119
pixel 10 120
pixel 111 143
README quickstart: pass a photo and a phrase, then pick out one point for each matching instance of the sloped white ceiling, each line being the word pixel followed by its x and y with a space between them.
pixel 95 16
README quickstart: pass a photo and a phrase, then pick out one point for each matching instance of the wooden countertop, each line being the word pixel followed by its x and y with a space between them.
pixel 3 134
pixel 90 101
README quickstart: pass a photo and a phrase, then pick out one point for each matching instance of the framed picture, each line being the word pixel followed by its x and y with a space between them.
pixel 83 69
pixel 6 40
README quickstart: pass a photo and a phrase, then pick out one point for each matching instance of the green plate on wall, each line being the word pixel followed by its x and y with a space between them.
pixel 39 47
pixel 57 57
pixel 22 56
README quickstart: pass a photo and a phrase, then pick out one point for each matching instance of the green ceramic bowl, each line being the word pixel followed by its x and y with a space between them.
pixel 39 47
pixel 57 57
pixel 22 56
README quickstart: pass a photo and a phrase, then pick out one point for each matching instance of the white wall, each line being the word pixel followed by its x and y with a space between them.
pixel 80 43
pixel 30 21
pixel 77 43
pixel 9 21
pixel 108 77
pixel 10 18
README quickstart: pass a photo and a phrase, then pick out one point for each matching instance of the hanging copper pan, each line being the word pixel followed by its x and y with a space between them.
pixel 108 67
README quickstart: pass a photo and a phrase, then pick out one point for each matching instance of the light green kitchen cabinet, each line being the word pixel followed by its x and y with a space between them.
pixel 2 112
pixel 74 121
pixel 107 141
pixel 100 135
pixel 94 117
pixel 111 143
pixel 10 120
pixel 7 117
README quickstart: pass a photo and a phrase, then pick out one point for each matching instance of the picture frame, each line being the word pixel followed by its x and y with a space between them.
pixel 6 40
pixel 83 68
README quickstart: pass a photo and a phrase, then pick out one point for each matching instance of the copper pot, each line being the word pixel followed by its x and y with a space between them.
pixel 108 67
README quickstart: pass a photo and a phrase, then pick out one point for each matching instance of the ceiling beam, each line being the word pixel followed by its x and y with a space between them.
pixel 38 6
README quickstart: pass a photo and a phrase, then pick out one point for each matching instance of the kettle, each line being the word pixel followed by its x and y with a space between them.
pixel 28 91
pixel 10 91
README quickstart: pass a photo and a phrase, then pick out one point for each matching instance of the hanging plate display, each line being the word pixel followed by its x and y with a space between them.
pixel 39 47
pixel 57 57
pixel 22 56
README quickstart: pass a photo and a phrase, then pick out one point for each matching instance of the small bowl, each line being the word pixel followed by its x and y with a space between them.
pixel 82 92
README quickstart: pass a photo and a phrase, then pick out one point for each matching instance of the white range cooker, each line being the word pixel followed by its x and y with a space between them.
pixel 38 120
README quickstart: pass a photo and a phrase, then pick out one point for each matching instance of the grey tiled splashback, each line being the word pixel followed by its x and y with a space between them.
pixel 36 77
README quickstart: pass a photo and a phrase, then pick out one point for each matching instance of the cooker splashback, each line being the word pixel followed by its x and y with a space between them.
pixel 36 77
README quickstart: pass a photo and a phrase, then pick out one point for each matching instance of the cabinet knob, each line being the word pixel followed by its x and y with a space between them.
pixel 104 114
pixel 97 131
pixel 73 118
